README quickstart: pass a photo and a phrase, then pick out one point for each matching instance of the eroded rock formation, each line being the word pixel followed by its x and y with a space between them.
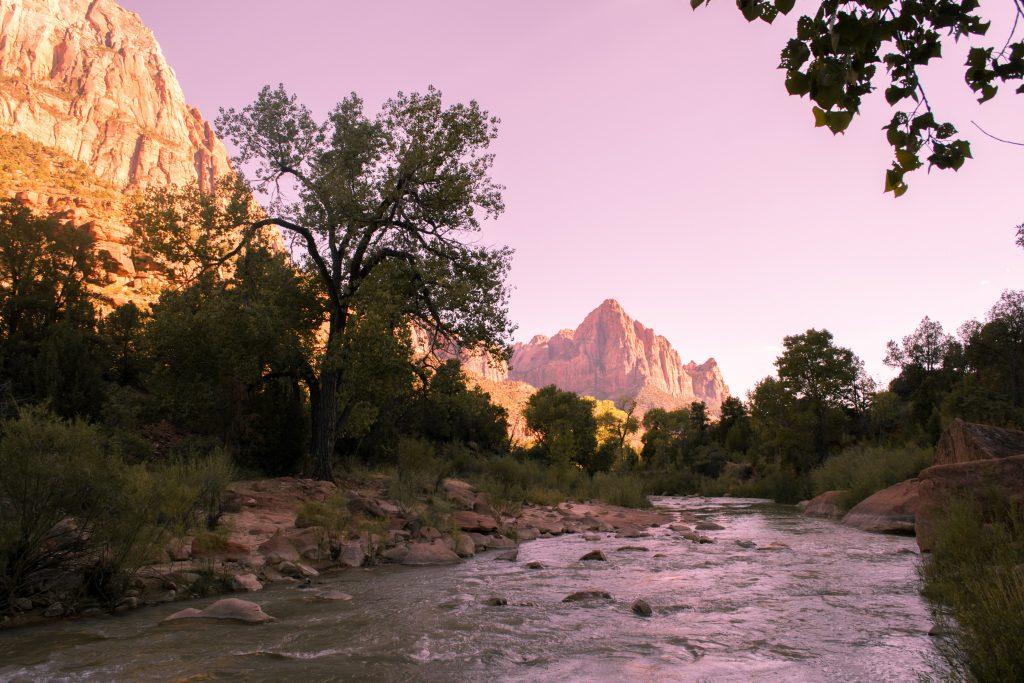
pixel 87 78
pixel 612 356
pixel 90 111
pixel 966 441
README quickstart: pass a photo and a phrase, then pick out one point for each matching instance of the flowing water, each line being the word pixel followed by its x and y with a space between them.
pixel 836 604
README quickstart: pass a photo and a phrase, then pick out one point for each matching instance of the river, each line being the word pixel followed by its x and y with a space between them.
pixel 827 603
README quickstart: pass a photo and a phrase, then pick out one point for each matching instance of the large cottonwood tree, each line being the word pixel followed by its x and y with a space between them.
pixel 399 195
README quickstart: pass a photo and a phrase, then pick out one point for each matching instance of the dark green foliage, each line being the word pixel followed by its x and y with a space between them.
pixel 565 427
pixel 75 518
pixel 836 52
pixel 400 193
pixel 448 411
pixel 975 574
pixel 861 470
pixel 48 346
pixel 818 381
pixel 224 360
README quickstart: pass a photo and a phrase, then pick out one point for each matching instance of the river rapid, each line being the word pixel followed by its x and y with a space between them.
pixel 826 603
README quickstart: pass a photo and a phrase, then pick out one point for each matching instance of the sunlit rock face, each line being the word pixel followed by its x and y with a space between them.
pixel 612 356
pixel 87 78
pixel 90 111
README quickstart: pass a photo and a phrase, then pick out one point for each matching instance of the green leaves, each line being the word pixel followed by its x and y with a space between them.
pixel 836 121
pixel 834 56
pixel 784 6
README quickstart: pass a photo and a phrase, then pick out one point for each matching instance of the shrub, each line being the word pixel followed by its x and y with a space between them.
pixel 975 572
pixel 73 513
pixel 418 472
pixel 619 489
pixel 860 471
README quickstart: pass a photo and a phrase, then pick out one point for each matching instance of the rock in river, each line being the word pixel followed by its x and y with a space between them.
pixel 890 511
pixel 641 608
pixel 594 555
pixel 825 505
pixel 231 609
pixel 422 554
pixel 584 596
pixel 246 583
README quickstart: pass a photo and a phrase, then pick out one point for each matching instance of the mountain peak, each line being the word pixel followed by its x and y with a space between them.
pixel 612 356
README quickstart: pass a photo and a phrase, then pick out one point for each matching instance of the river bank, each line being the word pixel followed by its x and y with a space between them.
pixel 288 531
pixel 776 596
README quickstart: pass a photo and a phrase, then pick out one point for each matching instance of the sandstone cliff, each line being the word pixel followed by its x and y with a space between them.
pixel 90 109
pixel 87 78
pixel 612 356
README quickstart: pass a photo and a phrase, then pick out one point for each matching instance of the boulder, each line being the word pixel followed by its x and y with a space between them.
pixel 491 542
pixel 889 511
pixel 586 596
pixel 495 602
pixel 464 546
pixel 54 610
pixel 594 555
pixel 279 549
pixel 308 542
pixel 527 533
pixel 421 554
pixel 231 609
pixel 825 505
pixel 459 492
pixel 352 554
pixel 507 555
pixel 991 481
pixel 534 565
pixel 373 507
pixel 246 583
pixel 708 526
pixel 694 537
pixel 297 570
pixel 633 549
pixel 641 608
pixel 775 545
pixel 967 441
pixel 179 549
pixel 332 596
pixel 474 521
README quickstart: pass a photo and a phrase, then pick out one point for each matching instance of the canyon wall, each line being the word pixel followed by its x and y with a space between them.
pixel 90 112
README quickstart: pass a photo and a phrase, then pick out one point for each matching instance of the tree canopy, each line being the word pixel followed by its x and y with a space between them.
pixel 834 57
pixel 396 197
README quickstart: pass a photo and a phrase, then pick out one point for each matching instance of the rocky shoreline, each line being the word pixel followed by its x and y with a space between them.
pixel 267 536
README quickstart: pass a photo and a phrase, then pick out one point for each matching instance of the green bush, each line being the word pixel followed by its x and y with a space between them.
pixel 74 513
pixel 860 471
pixel 419 471
pixel 975 573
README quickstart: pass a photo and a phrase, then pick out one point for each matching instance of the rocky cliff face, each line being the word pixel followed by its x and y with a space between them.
pixel 87 78
pixel 612 356
pixel 90 109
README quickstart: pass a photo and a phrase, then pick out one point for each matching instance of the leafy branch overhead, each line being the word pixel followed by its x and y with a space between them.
pixel 834 57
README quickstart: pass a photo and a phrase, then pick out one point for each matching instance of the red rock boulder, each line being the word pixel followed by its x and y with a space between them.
pixel 890 511
pixel 967 441
pixel 1000 479
pixel 826 505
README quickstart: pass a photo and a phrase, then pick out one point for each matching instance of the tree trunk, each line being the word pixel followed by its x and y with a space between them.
pixel 324 413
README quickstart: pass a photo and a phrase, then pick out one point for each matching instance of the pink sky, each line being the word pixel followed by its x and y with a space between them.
pixel 652 155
